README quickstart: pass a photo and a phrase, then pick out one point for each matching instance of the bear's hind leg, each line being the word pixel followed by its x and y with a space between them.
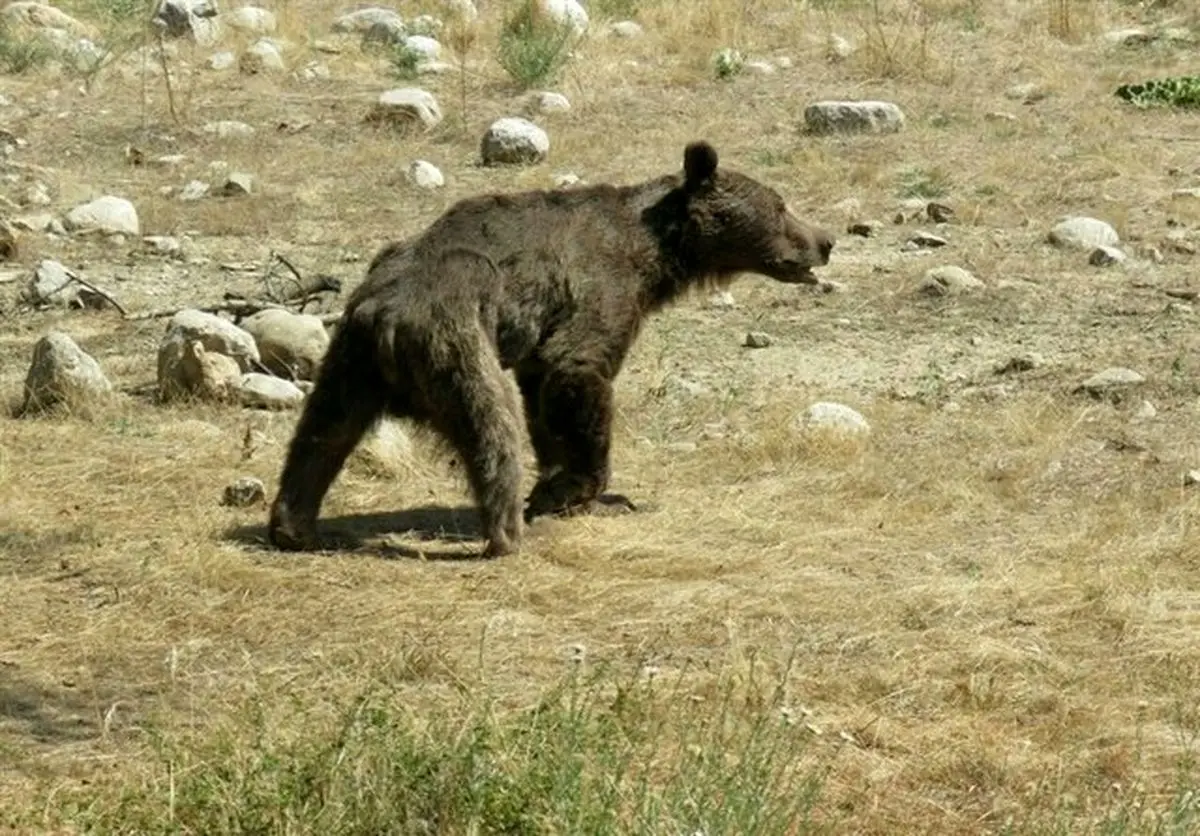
pixel 478 414
pixel 347 399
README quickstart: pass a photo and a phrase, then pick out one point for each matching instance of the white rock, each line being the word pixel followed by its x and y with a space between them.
pixel 838 48
pixel 1116 377
pixel 194 18
pixel 547 102
pixel 361 20
pixel 425 175
pixel 62 373
pixel 513 140
pixel 222 60
pixel 291 345
pixel 261 56
pixel 1128 37
pixel 1083 233
pixel 38 195
pixel 407 107
pixel 853 117
pixel 253 20
pixel 949 281
pixel 833 416
pixel 107 214
pixel 193 190
pixel 761 67
pixel 424 46
pixel 566 179
pixel 567 12
pixel 228 129
pixel 215 334
pixel 54 284
pixel 263 391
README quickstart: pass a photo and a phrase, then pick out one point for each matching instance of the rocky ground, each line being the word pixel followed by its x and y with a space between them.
pixel 1008 317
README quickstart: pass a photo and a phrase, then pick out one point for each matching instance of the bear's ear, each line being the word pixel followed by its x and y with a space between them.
pixel 699 163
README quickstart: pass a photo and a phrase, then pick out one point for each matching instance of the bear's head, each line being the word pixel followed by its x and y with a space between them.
pixel 737 224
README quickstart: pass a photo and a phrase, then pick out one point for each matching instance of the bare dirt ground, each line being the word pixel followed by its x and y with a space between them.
pixel 991 606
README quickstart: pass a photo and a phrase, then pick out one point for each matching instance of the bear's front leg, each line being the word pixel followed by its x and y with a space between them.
pixel 575 411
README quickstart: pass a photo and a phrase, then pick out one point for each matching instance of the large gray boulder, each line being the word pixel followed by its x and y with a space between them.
pixel 176 377
pixel 63 375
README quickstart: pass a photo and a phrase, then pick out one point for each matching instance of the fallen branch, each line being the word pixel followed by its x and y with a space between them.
pixel 102 294
pixel 237 307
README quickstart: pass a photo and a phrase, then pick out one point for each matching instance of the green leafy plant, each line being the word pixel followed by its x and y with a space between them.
pixel 1173 91
pixel 533 49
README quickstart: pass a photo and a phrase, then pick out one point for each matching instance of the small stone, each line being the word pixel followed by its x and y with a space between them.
pixel 1106 256
pixel 863 229
pixel 999 116
pixel 385 452
pixel 222 60
pixel 228 129
pixel 833 416
pixel 1026 93
pixel 63 374
pixel 1145 412
pixel 262 56
pixel 547 102
pixel 264 391
pixel 949 280
pixel 761 67
pixel 361 20
pixel 107 214
pixel 838 48
pixel 427 48
pixel 566 180
pixel 237 184
pixel 757 339
pixel 830 117
pixel 1129 37
pixel 250 19
pixel 1083 233
pixel 939 213
pixel 244 492
pixel 682 447
pixel 514 141
pixel 406 108
pixel 424 175
pixel 927 240
pixel 1114 378
pixel 1192 477
pixel 194 190
pixel 163 245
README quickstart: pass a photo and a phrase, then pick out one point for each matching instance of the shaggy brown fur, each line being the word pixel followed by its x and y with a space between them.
pixel 552 285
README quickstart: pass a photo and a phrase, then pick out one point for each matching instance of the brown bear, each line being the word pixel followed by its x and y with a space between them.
pixel 552 285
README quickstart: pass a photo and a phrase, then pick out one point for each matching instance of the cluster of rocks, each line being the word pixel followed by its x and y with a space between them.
pixel 268 362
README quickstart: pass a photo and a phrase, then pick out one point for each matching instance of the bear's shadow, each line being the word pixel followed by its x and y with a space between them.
pixel 376 533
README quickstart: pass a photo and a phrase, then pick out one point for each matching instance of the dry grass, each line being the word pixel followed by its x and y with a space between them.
pixel 983 617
